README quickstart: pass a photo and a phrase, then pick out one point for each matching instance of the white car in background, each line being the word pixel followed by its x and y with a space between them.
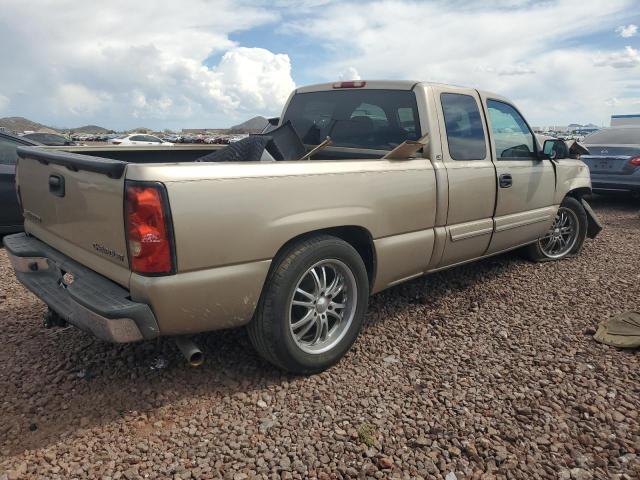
pixel 140 139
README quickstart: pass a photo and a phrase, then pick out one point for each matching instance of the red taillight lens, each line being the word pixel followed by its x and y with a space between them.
pixel 635 161
pixel 148 234
pixel 115 142
pixel 350 84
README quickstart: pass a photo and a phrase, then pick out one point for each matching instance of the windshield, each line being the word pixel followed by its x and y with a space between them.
pixel 614 136
pixel 371 119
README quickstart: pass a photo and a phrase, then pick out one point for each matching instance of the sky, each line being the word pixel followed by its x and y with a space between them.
pixel 215 63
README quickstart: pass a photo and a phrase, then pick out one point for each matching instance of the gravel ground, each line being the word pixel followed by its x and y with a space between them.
pixel 484 371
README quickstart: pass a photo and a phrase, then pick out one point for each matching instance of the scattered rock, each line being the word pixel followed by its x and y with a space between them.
pixel 483 371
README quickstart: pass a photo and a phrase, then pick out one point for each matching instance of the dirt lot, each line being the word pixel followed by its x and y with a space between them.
pixel 484 371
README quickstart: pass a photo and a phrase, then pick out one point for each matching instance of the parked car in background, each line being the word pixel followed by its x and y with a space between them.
pixel 140 139
pixel 51 139
pixel 614 159
pixel 10 215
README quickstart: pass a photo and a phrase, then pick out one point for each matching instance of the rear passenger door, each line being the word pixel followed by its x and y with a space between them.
pixel 526 183
pixel 471 174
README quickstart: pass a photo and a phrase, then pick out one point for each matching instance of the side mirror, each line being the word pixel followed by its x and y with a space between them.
pixel 555 150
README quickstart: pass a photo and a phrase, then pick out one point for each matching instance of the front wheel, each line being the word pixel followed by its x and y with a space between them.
pixel 312 307
pixel 566 235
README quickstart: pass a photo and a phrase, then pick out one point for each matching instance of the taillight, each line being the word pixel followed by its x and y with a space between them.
pixel 116 142
pixel 635 161
pixel 149 235
pixel 350 84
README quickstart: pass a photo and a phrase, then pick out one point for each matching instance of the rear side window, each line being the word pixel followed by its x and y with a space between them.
pixel 138 138
pixel 8 155
pixel 369 119
pixel 463 123
pixel 510 132
pixel 614 136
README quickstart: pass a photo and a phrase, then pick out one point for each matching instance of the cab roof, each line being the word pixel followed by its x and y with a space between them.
pixel 379 85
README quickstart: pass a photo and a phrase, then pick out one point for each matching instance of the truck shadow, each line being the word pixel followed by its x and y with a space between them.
pixel 58 382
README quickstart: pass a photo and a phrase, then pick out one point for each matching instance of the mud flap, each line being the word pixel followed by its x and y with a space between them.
pixel 594 227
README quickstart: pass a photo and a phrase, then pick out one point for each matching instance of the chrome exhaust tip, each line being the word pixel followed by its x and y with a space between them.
pixel 190 351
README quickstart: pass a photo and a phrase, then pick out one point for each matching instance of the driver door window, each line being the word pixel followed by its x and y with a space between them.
pixel 511 135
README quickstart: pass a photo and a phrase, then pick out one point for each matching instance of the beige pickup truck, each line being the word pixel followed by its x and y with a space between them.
pixel 417 177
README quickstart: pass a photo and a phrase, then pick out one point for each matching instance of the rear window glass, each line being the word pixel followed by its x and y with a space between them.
pixel 465 133
pixel 614 136
pixel 373 119
pixel 47 138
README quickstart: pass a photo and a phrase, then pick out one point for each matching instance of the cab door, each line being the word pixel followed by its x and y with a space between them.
pixel 526 183
pixel 471 174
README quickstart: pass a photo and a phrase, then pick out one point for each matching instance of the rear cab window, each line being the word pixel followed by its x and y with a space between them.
pixel 464 128
pixel 365 119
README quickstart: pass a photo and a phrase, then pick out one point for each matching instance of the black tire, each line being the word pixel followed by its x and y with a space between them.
pixel 269 330
pixel 537 254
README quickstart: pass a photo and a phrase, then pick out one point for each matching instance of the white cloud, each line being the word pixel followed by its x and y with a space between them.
pixel 627 31
pixel 349 74
pixel 528 51
pixel 4 102
pixel 176 64
pixel 624 102
pixel 255 78
pixel 68 63
pixel 79 100
pixel 628 58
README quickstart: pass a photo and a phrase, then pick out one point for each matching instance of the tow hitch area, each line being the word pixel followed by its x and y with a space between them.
pixel 51 319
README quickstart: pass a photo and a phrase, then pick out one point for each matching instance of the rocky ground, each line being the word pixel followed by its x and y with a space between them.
pixel 484 371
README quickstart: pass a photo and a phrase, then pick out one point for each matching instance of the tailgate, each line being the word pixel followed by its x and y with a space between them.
pixel 75 204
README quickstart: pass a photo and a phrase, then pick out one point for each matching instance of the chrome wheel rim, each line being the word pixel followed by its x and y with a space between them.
pixel 322 306
pixel 562 236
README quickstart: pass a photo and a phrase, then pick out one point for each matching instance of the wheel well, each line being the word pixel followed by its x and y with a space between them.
pixel 578 193
pixel 358 237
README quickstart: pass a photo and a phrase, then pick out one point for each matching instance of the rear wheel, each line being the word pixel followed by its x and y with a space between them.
pixel 312 307
pixel 566 235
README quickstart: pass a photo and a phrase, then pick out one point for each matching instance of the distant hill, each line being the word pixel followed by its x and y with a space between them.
pixel 21 124
pixel 92 129
pixel 253 125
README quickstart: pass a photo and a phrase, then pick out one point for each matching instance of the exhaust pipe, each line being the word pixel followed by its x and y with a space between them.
pixel 190 350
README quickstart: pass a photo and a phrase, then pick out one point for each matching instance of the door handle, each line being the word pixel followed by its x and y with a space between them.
pixel 505 180
pixel 56 185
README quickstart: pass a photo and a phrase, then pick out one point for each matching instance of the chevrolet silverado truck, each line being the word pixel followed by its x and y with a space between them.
pixel 137 244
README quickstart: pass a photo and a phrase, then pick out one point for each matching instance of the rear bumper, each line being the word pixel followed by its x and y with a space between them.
pixel 82 297
pixel 628 183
